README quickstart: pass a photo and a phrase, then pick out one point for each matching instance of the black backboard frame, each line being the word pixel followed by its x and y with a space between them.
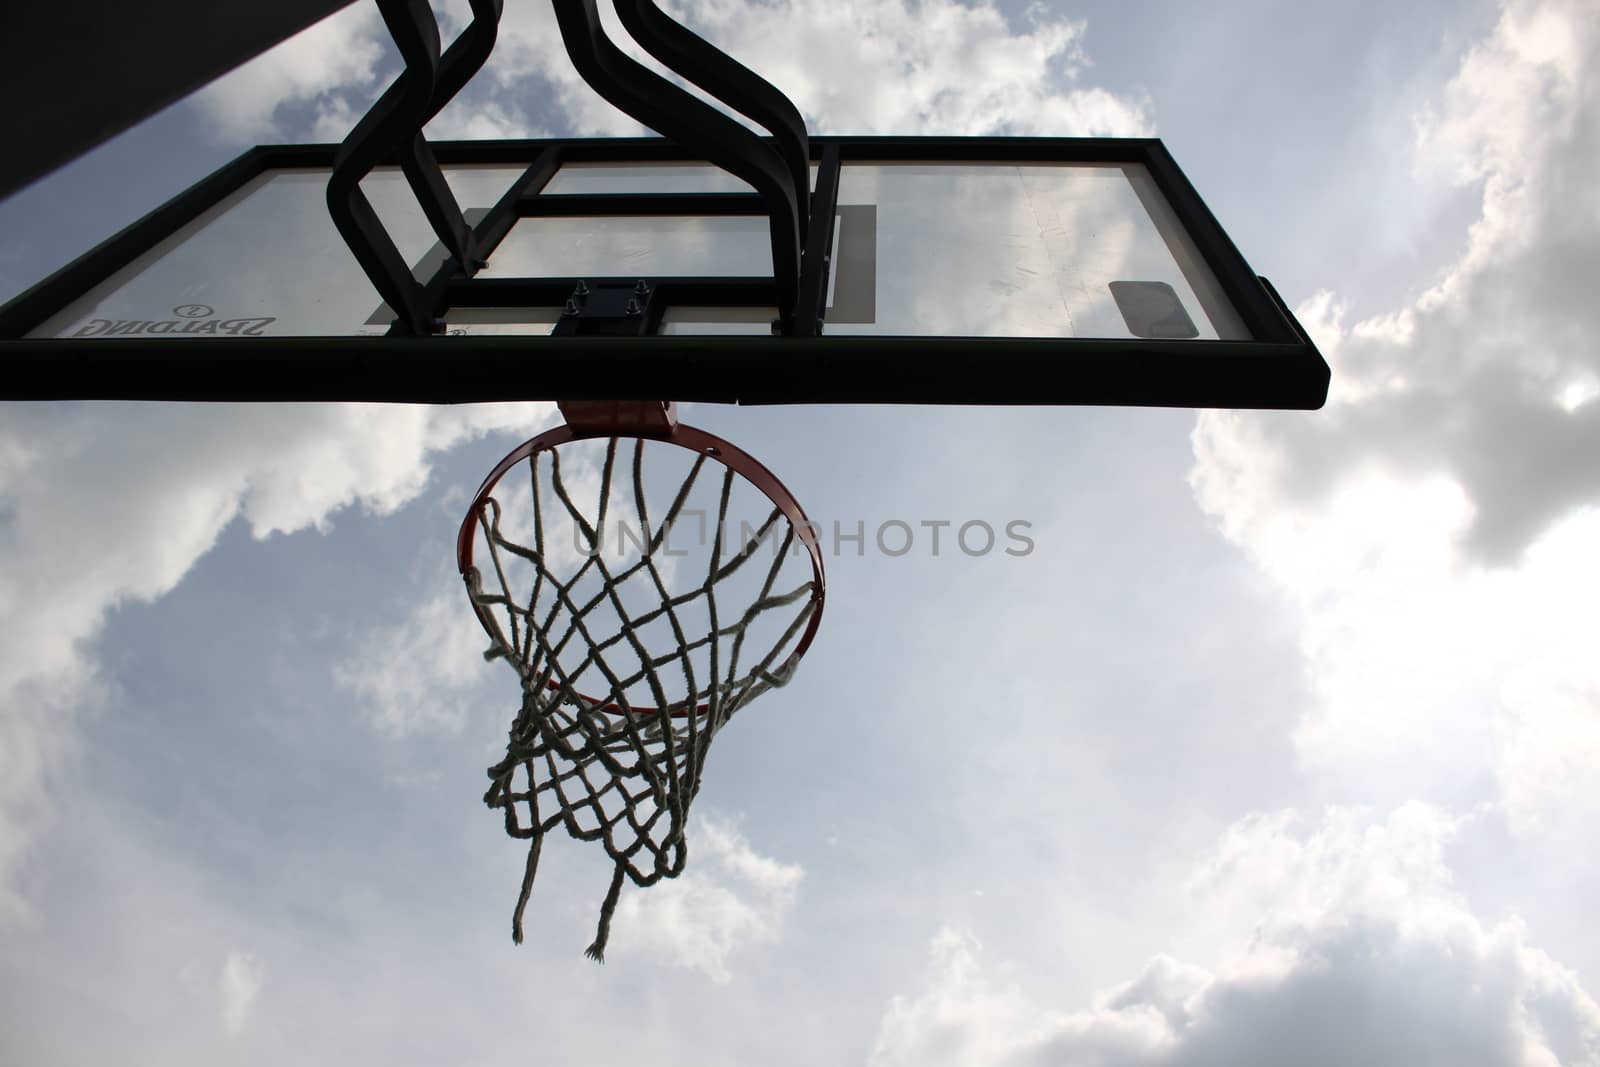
pixel 1279 367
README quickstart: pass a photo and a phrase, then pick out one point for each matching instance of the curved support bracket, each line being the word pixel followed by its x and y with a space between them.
pixel 394 125
pixel 686 119
pixel 697 60
pixel 468 52
pixel 463 59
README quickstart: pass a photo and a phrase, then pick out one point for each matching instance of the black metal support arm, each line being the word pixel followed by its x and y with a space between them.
pixel 394 124
pixel 818 260
pixel 464 58
pixel 696 60
pixel 695 125
pixel 778 170
pixel 391 122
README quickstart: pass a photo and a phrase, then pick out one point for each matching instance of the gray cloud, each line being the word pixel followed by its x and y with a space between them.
pixel 113 504
pixel 1356 951
pixel 323 77
pixel 1467 381
pixel 1431 521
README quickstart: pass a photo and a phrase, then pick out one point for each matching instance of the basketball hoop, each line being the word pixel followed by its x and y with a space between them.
pixel 628 665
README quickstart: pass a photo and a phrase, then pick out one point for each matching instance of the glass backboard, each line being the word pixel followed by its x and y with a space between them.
pixel 949 241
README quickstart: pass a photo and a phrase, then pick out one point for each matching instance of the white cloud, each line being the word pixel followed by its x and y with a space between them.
pixel 415 674
pixel 729 899
pixel 242 979
pixel 1466 381
pixel 1428 521
pixel 37 740
pixel 103 505
pixel 320 68
pixel 1281 872
pixel 1356 950
pixel 887 66
pixel 936 67
pixel 961 1017
pixel 1548 725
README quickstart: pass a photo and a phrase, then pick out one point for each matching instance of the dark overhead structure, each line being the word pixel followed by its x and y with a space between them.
pixel 76 74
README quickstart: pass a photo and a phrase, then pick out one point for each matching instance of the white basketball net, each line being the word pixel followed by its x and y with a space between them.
pixel 610 766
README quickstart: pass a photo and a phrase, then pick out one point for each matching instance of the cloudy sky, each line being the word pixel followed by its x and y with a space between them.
pixel 1280 746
